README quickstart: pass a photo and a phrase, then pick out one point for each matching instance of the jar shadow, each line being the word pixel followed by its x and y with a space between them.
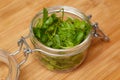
pixel 94 50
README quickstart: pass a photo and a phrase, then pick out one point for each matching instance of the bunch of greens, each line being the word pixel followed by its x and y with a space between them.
pixel 62 63
pixel 59 32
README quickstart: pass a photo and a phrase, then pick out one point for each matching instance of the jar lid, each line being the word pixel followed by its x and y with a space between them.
pixel 10 62
pixel 8 66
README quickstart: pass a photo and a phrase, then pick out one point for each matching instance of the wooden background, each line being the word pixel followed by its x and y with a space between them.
pixel 103 61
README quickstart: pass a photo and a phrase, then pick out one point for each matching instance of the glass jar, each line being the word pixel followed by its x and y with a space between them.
pixel 61 59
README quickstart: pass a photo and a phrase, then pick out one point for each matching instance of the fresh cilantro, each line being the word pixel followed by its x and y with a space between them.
pixel 56 32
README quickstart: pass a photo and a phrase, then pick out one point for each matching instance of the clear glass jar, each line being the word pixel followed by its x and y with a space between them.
pixel 61 59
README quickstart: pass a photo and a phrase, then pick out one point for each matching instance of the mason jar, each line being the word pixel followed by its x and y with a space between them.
pixel 61 59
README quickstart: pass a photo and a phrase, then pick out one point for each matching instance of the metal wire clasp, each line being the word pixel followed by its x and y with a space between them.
pixel 26 50
pixel 97 32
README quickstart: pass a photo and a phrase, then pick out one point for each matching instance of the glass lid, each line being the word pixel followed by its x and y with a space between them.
pixel 8 66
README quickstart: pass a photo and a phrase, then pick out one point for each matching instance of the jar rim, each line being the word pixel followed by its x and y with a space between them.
pixel 68 9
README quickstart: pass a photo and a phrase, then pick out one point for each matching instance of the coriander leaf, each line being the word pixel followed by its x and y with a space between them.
pixel 55 19
pixel 79 37
pixel 49 21
pixel 82 24
pixel 45 15
pixel 44 38
pixel 38 23
pixel 49 43
pixel 37 32
pixel 59 32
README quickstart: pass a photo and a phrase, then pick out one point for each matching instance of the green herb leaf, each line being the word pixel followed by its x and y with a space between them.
pixel 79 37
pixel 55 32
pixel 49 21
pixel 45 15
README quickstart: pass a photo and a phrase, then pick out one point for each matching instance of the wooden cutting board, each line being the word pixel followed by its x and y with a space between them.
pixel 103 60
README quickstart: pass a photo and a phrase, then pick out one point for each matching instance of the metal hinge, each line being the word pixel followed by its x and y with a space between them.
pixel 97 32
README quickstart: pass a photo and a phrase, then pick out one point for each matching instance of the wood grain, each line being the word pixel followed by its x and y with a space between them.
pixel 103 60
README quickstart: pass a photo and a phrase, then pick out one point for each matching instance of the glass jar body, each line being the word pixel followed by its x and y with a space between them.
pixel 61 59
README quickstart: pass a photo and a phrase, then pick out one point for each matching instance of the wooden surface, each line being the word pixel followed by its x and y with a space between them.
pixel 103 61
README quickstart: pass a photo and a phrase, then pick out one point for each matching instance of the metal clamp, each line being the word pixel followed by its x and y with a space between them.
pixel 26 50
pixel 97 32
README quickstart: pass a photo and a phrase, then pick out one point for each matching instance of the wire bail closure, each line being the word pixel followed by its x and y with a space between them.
pixel 97 32
pixel 26 50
